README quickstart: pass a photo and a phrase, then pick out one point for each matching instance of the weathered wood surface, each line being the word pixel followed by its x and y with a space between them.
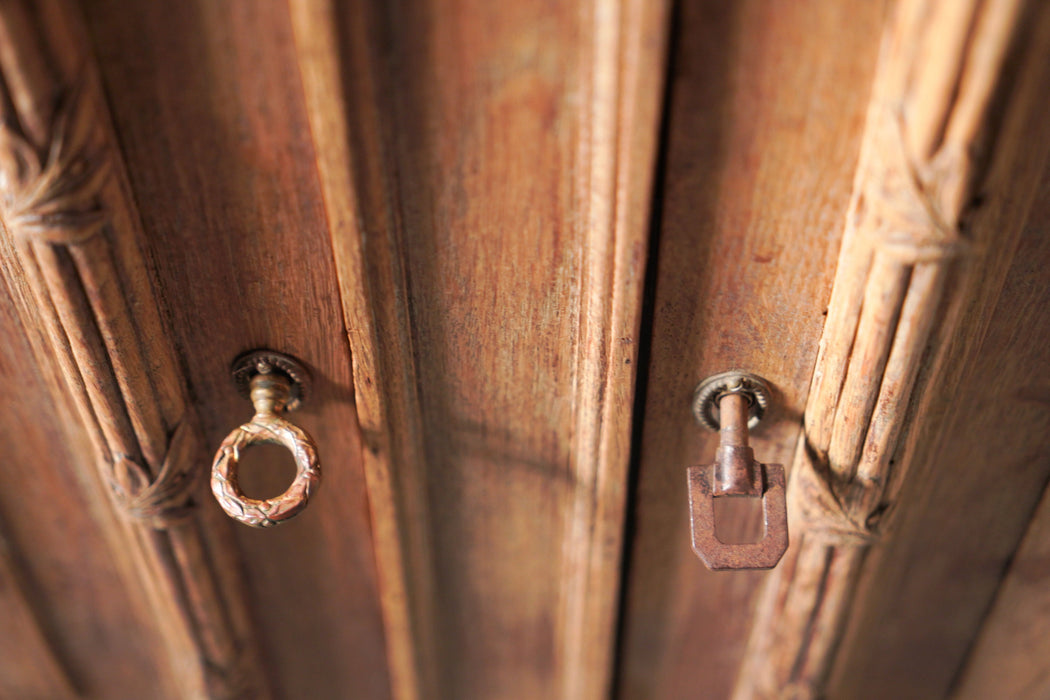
pixel 65 204
pixel 209 109
pixel 443 209
pixel 487 172
pixel 1009 658
pixel 67 590
pixel 761 147
pixel 931 585
pixel 515 374
pixel 953 151
pixel 29 665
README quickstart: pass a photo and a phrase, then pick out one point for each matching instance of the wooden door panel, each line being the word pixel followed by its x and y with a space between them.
pixel 930 587
pixel 487 171
pixel 212 125
pixel 448 210
pixel 762 142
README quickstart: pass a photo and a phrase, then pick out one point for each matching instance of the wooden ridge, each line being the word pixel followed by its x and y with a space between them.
pixel 617 156
pixel 383 211
pixel 954 85
pixel 67 207
pixel 345 107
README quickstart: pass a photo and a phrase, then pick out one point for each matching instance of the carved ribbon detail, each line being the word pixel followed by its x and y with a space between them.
pixel 77 234
pixel 168 498
pixel 924 158
pixel 51 193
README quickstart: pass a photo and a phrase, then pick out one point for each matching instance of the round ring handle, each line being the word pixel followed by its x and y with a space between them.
pixel 270 391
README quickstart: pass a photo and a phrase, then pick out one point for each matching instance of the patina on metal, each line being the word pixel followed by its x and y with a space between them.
pixel 732 403
pixel 275 383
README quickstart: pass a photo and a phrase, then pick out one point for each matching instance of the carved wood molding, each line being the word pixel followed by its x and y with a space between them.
pixel 618 131
pixel 619 127
pixel 65 202
pixel 951 79
pixel 345 102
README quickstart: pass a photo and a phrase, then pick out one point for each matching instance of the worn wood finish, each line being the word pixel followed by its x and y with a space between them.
pixel 69 590
pixel 74 226
pixel 444 208
pixel 212 122
pixel 953 109
pixel 743 275
pixel 29 665
pixel 1009 657
pixel 343 81
pixel 930 586
pixel 507 370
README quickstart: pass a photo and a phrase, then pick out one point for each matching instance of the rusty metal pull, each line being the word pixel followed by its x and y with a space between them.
pixel 275 383
pixel 732 403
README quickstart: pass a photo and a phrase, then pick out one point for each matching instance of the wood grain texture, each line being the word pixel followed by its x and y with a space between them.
pixel 29 666
pixel 487 176
pixel 78 622
pixel 211 118
pixel 746 238
pixel 930 586
pixel 953 106
pixel 346 100
pixel 74 226
pixel 1009 657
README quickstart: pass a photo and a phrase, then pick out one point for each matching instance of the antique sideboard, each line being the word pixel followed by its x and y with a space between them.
pixel 492 247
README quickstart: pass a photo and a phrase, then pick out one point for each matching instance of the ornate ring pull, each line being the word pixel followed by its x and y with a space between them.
pixel 275 383
pixel 731 403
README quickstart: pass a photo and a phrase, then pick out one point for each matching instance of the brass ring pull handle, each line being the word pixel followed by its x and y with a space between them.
pixel 275 383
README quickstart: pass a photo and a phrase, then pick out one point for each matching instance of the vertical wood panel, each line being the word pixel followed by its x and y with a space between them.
pixel 75 588
pixel 953 150
pixel 209 108
pixel 77 235
pixel 761 146
pixel 488 197
pixel 29 667
pixel 932 584
pixel 1009 658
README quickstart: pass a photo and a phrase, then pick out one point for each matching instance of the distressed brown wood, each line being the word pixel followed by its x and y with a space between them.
pixel 85 594
pixel 1008 659
pixel 746 239
pixel 445 209
pixel 215 135
pixel 346 101
pixel 955 99
pixel 454 356
pixel 28 662
pixel 66 206
pixel 929 587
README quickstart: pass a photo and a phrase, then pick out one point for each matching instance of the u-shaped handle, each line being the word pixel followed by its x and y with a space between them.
pixel 732 403
pixel 276 383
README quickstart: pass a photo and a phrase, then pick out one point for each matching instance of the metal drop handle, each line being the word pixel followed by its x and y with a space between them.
pixel 731 403
pixel 275 383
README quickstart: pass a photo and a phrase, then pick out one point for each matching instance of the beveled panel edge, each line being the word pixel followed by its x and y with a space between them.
pixel 624 67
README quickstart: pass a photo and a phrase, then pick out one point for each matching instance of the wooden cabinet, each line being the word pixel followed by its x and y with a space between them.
pixel 508 240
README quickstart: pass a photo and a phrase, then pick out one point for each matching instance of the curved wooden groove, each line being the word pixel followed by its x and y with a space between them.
pixel 66 205
pixel 954 79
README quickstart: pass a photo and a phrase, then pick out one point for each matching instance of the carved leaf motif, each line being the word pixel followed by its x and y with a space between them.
pixel 54 196
pixel 166 498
